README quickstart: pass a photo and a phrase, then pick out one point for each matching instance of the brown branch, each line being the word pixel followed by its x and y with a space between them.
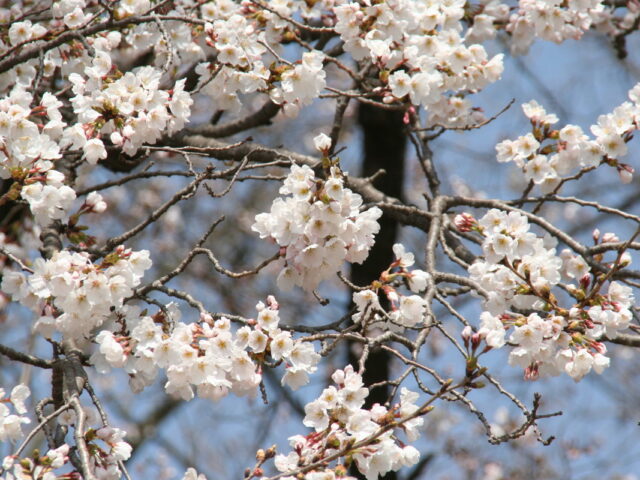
pixel 257 119
pixel 625 339
pixel 25 358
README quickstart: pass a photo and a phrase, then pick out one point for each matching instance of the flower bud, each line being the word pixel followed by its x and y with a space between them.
pixel 322 143
pixel 625 259
pixel 464 222
pixel 476 338
pixel 466 334
pixel 625 172
pixel 271 452
pixel 585 281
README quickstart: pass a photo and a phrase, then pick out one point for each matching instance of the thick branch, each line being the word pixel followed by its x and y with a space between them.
pixel 25 358
pixel 257 119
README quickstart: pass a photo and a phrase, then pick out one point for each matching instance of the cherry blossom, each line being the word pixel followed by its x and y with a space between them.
pixel 342 425
pixel 319 225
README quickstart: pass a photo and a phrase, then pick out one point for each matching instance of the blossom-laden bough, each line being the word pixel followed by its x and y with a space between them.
pixel 125 123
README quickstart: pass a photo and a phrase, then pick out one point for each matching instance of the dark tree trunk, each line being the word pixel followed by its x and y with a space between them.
pixel 384 145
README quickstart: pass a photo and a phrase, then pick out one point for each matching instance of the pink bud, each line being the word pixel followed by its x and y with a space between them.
pixel 466 334
pixel 625 172
pixel 272 302
pixel 625 259
pixel 585 281
pixel 464 222
pixel 589 323
pixel 531 372
pixel 476 338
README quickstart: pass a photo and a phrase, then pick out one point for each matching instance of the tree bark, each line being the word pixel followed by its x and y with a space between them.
pixel 384 146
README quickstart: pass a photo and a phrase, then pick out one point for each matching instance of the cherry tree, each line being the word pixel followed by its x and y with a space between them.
pixel 183 220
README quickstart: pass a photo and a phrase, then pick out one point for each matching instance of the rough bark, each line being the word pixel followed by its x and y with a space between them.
pixel 384 145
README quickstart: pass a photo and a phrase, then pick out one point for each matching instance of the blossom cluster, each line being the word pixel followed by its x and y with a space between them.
pixel 28 150
pixel 106 447
pixel 207 355
pixel 511 254
pixel 106 444
pixel 553 20
pixel 130 109
pixel 545 164
pixel 174 43
pixel 318 225
pixel 242 42
pixel 105 460
pixel 420 47
pixel 406 310
pixel 342 426
pixel 518 272
pixel 72 294
pixel 11 423
pixel 240 69
pixel 37 468
pixel 299 84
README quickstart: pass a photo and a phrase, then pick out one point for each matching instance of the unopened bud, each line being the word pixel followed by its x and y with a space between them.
pixel 588 323
pixel 261 456
pixel 476 338
pixel 464 222
pixel 447 383
pixel 333 442
pixel 271 452
pixel 466 334
pixel 322 143
pixel 625 259
pixel 206 318
pixel 272 302
pixel 585 281
pixel 625 172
